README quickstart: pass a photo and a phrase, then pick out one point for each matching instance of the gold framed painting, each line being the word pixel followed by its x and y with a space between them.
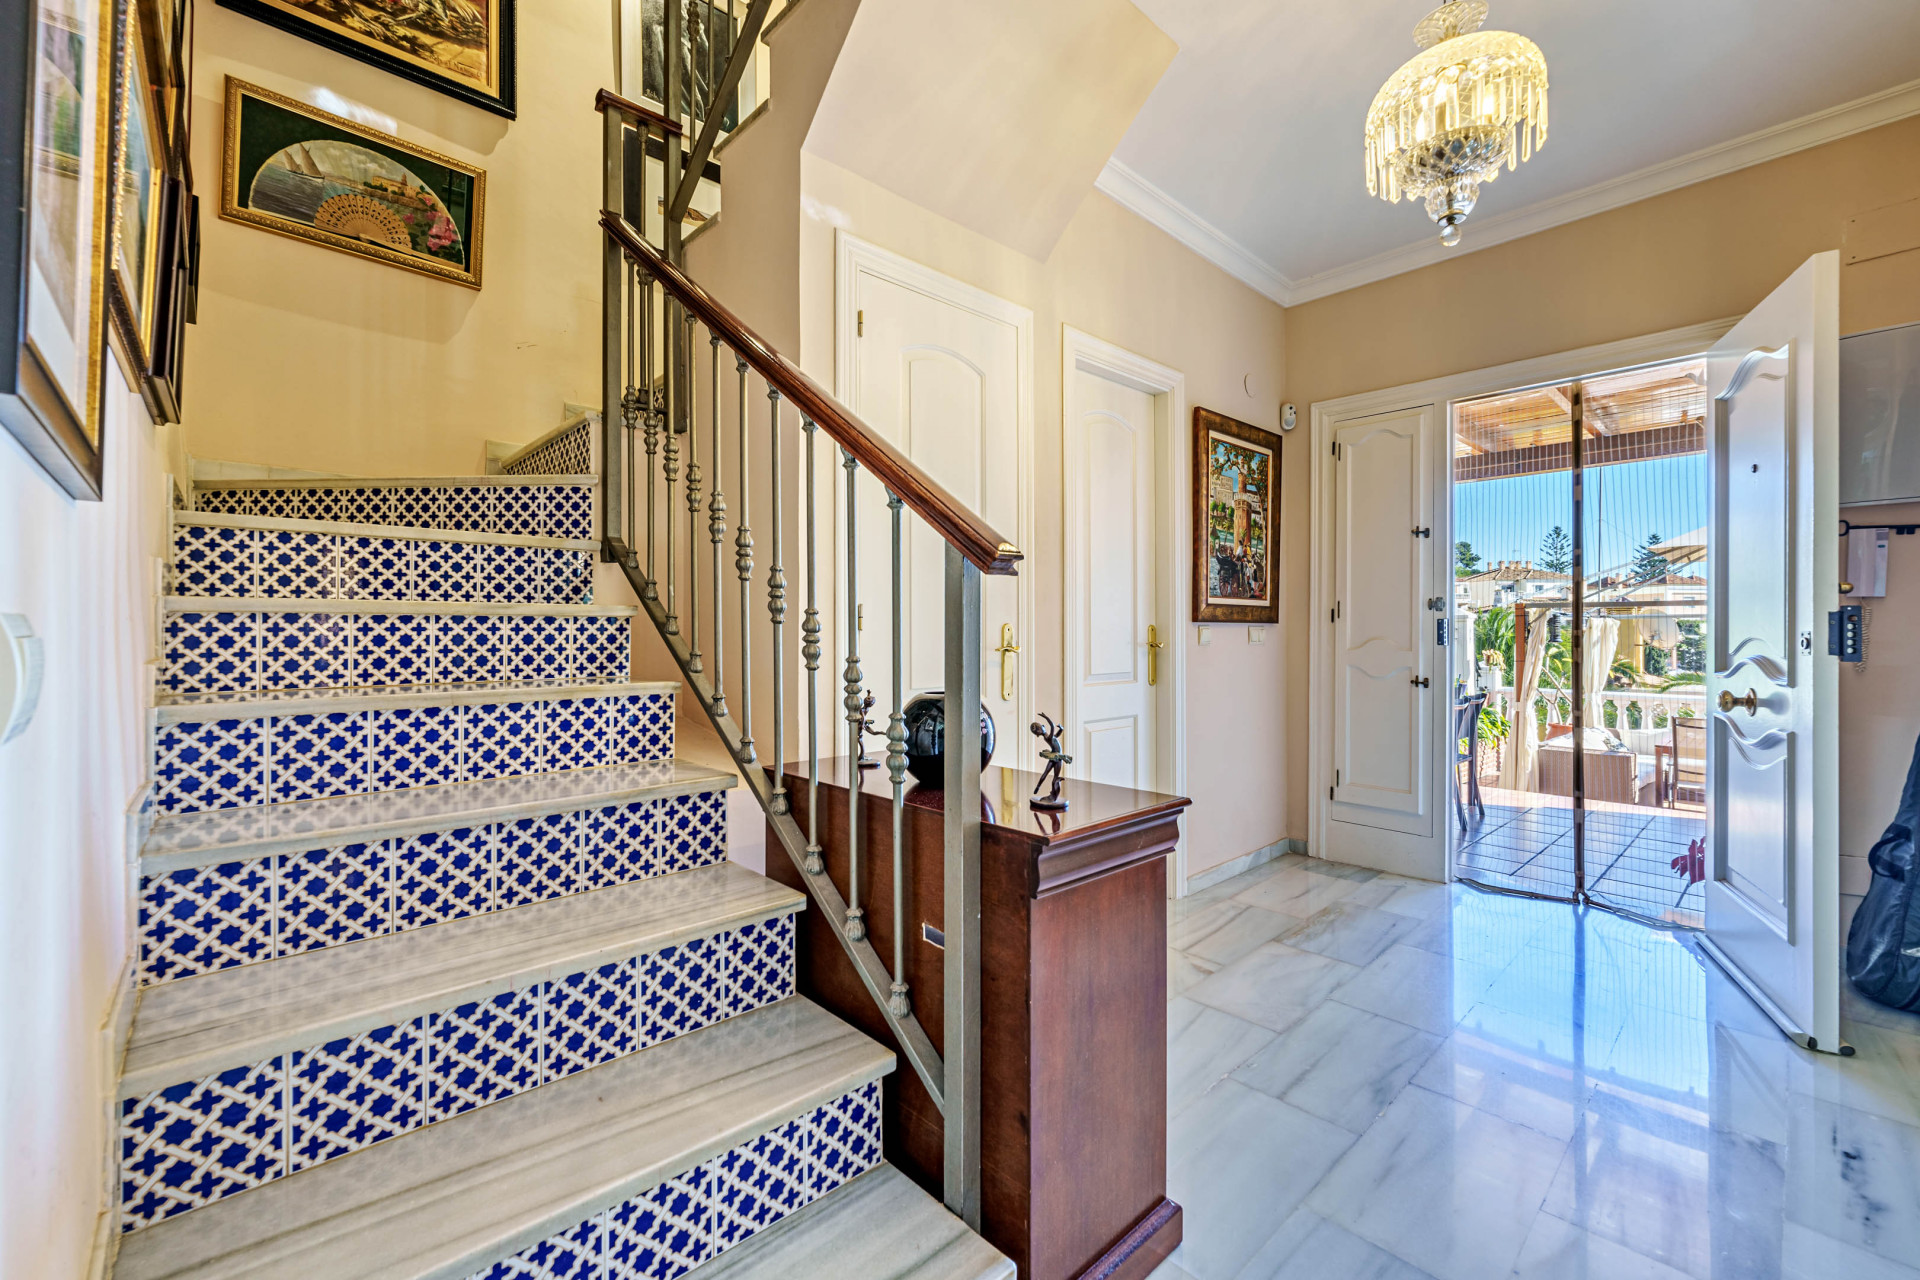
pixel 1236 475
pixel 463 48
pixel 53 199
pixel 296 170
pixel 140 167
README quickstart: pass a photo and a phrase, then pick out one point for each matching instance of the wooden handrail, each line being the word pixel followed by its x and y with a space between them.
pixel 951 519
pixel 633 110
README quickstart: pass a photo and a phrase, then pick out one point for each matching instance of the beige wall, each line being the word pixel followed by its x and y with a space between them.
pixel 305 357
pixel 84 574
pixel 1707 251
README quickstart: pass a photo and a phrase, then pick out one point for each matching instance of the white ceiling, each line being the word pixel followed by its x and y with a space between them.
pixel 1250 146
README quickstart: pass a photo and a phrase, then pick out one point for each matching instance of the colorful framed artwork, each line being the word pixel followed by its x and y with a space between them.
pixel 1236 475
pixel 53 197
pixel 463 48
pixel 141 168
pixel 299 171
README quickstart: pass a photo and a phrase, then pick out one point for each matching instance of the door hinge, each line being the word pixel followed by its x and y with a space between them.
pixel 1336 777
pixel 860 324
pixel 1419 680
pixel 1440 632
pixel 1329 793
pixel 1335 450
pixel 1423 532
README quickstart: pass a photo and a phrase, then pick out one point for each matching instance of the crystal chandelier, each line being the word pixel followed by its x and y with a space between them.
pixel 1468 103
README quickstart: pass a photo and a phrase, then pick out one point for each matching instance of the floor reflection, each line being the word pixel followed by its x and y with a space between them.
pixel 1374 1077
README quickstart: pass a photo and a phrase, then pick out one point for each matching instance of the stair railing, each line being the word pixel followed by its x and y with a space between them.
pixel 679 466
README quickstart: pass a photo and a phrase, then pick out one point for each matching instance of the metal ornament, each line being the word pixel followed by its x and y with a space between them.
pixel 1056 759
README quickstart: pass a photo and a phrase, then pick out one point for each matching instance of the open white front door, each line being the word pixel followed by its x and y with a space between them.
pixel 1386 665
pixel 1773 915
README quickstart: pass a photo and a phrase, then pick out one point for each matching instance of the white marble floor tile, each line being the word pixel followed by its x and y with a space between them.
pixel 1308 1247
pixel 1298 892
pixel 1558 1250
pixel 1273 985
pixel 1171 1270
pixel 1238 1163
pixel 1420 899
pixel 1227 938
pixel 1652 1174
pixel 1340 1064
pixel 1422 989
pixel 1855 1177
pixel 1183 971
pixel 1808 1255
pixel 1483 1072
pixel 1448 1188
pixel 1347 931
pixel 1203 1047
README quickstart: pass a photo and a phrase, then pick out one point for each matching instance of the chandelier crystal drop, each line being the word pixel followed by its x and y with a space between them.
pixel 1468 103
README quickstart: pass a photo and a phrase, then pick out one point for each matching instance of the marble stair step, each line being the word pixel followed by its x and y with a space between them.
pixel 179 841
pixel 198 1026
pixel 243 750
pixel 879 1226
pixel 582 1162
pixel 255 556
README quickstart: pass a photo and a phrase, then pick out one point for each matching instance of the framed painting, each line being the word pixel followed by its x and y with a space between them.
pixel 463 48
pixel 53 200
pixel 708 41
pixel 299 171
pixel 1236 473
pixel 140 166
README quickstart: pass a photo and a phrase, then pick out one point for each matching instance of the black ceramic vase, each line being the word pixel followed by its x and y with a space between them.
pixel 926 727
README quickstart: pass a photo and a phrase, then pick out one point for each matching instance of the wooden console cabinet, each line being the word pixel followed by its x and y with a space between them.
pixel 1073 1006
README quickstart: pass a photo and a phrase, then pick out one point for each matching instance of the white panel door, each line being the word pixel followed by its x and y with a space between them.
pixel 1110 468
pixel 1383 637
pixel 1772 760
pixel 941 383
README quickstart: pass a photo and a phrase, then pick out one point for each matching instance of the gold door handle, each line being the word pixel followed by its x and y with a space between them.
pixel 1006 649
pixel 1154 645
pixel 1728 702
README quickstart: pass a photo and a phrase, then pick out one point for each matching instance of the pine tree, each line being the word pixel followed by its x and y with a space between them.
pixel 1648 564
pixel 1556 552
pixel 1466 561
pixel 1691 653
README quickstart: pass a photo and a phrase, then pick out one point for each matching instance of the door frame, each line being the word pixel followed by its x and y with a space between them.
pixel 1440 394
pixel 853 257
pixel 1082 352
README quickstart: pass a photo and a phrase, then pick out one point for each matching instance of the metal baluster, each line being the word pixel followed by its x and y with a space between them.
pixel 856 918
pixel 693 504
pixel 676 393
pixel 650 415
pixel 743 565
pixel 777 611
pixel 897 771
pixel 810 650
pixel 630 400
pixel 961 1051
pixel 717 526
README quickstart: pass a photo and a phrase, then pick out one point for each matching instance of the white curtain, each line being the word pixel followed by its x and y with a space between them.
pixel 1603 641
pixel 1517 768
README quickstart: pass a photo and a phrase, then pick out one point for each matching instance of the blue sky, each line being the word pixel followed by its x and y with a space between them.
pixel 1506 519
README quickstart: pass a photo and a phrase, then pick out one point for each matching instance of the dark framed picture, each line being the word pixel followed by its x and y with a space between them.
pixel 463 48
pixel 1236 473
pixel 141 167
pixel 54 116
pixel 302 172
pixel 709 43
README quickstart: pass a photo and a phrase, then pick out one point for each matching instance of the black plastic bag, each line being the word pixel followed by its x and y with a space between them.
pixel 1883 946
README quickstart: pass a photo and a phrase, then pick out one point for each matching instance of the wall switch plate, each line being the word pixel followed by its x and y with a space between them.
pixel 1256 635
pixel 1205 634
pixel 21 668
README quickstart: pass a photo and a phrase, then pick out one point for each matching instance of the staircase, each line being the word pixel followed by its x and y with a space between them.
pixel 444 971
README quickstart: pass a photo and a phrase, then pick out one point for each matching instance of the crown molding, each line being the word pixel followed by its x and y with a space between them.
pixel 1161 209
pixel 1135 193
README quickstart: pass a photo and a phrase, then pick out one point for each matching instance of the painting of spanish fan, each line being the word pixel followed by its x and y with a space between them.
pixel 299 171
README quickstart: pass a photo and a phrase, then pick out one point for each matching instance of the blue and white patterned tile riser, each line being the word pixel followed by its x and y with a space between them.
pixel 278 564
pixel 221 915
pixel 316 754
pixel 668 1231
pixel 552 511
pixel 258 652
pixel 198 1141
